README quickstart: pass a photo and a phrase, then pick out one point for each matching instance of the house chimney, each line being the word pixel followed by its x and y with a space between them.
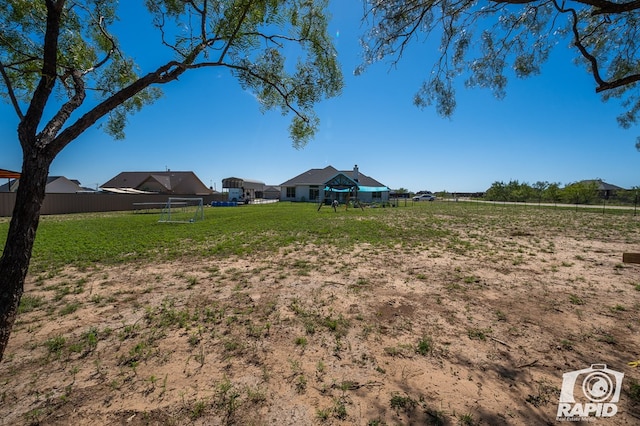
pixel 355 173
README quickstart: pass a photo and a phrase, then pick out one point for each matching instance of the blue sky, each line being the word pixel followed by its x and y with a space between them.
pixel 552 127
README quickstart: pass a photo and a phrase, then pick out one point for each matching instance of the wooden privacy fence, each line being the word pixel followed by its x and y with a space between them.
pixel 94 202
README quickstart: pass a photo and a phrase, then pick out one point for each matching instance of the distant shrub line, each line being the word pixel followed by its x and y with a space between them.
pixel 586 192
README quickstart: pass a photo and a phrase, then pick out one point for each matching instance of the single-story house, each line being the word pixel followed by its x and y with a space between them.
pixel 169 182
pixel 330 183
pixel 55 185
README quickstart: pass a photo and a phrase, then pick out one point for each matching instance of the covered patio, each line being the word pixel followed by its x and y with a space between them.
pixel 8 174
pixel 343 189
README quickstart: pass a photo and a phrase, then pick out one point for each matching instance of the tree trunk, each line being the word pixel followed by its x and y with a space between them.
pixel 16 256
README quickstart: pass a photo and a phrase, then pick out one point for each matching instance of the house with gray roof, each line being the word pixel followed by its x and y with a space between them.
pixel 55 185
pixel 316 185
pixel 168 182
pixel 605 190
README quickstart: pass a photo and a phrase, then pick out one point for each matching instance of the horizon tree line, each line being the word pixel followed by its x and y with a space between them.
pixel 582 192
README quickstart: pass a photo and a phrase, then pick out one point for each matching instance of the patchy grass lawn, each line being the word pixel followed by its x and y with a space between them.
pixel 434 313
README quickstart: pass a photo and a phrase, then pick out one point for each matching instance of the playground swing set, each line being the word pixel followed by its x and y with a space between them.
pixel 345 188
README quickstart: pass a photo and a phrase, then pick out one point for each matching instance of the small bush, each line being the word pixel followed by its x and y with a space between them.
pixel 405 403
pixel 425 346
pixel 55 344
pixel 69 308
pixel 478 333
pixel 575 300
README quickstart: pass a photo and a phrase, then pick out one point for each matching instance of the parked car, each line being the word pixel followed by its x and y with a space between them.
pixel 424 197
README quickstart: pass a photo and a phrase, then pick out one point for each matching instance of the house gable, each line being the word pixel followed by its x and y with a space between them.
pixel 341 181
pixel 181 183
pixel 55 185
pixel 61 185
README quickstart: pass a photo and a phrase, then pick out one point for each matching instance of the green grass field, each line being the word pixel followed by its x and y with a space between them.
pixel 113 238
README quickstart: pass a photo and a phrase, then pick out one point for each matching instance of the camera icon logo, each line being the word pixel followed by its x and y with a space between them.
pixel 598 385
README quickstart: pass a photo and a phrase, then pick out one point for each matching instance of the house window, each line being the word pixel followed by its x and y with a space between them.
pixel 376 195
pixel 314 192
pixel 291 192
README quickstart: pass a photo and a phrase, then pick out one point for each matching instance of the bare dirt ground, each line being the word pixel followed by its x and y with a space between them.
pixel 312 336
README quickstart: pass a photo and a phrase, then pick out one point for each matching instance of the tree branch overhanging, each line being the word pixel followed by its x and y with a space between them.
pixel 483 40
pixel 164 74
pixel 600 6
pixel 281 91
pixel 113 49
pixel 602 85
pixel 236 31
pixel 10 91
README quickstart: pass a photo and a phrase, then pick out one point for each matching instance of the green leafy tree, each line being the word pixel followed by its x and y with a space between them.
pixel 584 192
pixel 517 191
pixel 552 192
pixel 497 192
pixel 63 70
pixel 482 41
pixel 538 189
pixel 627 196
